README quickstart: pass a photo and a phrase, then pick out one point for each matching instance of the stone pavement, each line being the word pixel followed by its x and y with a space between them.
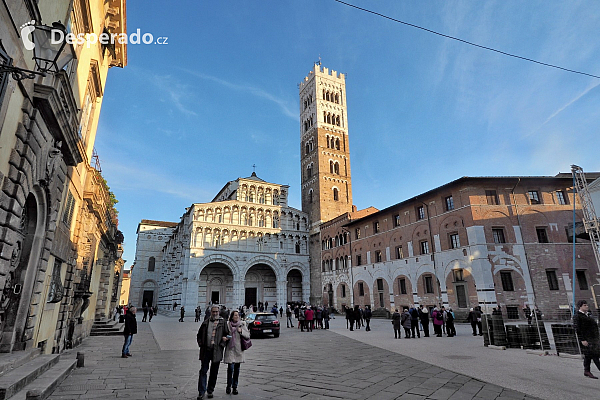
pixel 317 365
pixel 548 377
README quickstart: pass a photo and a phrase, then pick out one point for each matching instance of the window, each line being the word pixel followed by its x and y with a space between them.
pixel 358 259
pixel 297 247
pixel 454 241
pixel 428 284
pixel 561 198
pixel 458 275
pixel 310 196
pixel 498 234
pixel 361 289
pixel 357 233
pixel 376 227
pixel 552 279
pixel 534 197
pixel 378 257
pixel 396 220
pixel 420 212
pixel 424 247
pixel 507 281
pixel 582 280
pixel 151 264
pixel 402 285
pixel 336 196
pixel 542 235
pixel 492 197
pixel 512 312
pixel 343 290
pixel 68 211
pixel 380 284
pixel 449 201
pixel 399 253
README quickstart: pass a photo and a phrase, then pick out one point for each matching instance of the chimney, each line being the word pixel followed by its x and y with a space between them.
pixel 354 208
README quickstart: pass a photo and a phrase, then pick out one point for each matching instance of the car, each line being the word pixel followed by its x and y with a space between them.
pixel 261 323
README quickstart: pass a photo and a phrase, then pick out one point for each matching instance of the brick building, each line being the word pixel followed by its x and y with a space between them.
pixel 487 241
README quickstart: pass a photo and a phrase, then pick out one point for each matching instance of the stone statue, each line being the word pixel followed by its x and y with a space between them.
pixel 54 159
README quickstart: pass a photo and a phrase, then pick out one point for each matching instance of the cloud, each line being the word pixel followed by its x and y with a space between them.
pixel 561 109
pixel 128 177
pixel 177 92
pixel 283 104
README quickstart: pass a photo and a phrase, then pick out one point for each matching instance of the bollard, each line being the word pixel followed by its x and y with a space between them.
pixel 80 359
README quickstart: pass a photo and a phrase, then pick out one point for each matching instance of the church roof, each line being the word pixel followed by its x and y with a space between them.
pixel 254 177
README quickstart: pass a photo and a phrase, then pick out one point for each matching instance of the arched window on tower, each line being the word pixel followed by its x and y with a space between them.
pixel 336 168
pixel 337 98
pixel 331 167
pixel 310 196
pixel 337 120
pixel 323 94
pixel 336 196
pixel 328 118
pixel 307 148
pixel 297 247
pixel 327 97
pixel 337 144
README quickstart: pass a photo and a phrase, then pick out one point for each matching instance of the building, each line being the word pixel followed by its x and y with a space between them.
pixel 126 281
pixel 325 158
pixel 59 244
pixel 488 241
pixel 244 247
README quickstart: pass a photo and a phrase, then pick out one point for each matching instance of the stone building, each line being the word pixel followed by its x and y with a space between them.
pixel 126 281
pixel 485 242
pixel 59 244
pixel 245 246
pixel 325 157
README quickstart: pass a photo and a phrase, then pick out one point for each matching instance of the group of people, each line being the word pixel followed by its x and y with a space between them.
pixel 358 316
pixel 309 317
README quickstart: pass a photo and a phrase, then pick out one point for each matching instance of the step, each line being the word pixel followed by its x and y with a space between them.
pixel 10 361
pixel 107 328
pixel 108 322
pixel 15 380
pixel 46 383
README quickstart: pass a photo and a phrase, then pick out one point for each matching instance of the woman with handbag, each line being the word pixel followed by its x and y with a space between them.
pixel 234 351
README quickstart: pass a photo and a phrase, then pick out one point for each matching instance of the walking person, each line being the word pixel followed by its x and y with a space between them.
pixel 367 315
pixel 129 331
pixel 414 321
pixel 150 313
pixel 281 312
pixel 588 336
pixel 450 328
pixel 233 350
pixel 326 317
pixel 406 322
pixel 182 314
pixel 212 338
pixel 424 317
pixel 145 309
pixel 438 321
pixel 473 320
pixel 288 314
pixel 197 312
pixel 396 324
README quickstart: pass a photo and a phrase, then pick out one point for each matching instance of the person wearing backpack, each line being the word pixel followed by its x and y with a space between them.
pixel 367 315
pixel 438 321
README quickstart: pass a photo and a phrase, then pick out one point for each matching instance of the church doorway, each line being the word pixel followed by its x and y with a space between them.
pixel 148 298
pixel 250 297
pixel 261 279
pixel 215 285
pixel 294 286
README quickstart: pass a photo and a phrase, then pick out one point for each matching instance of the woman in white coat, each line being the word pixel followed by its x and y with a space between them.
pixel 233 350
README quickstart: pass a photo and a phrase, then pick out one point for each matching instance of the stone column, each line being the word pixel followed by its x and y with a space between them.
pixel 239 292
pixel 281 293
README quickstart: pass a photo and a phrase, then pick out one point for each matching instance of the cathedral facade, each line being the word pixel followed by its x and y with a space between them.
pixel 245 246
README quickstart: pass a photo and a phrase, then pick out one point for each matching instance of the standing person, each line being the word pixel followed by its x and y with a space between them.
pixel 275 311
pixel 357 316
pixel 406 322
pixel 478 319
pixel 471 318
pixel 301 319
pixel 443 311
pixel 326 317
pixel 117 313
pixel 309 316
pixel 589 339
pixel 367 315
pixel 450 328
pixel 129 331
pixel 174 306
pixel 424 316
pixel 181 313
pixel 438 321
pixel 414 321
pixel 197 314
pixel 319 317
pixel 288 314
pixel 212 338
pixel 145 309
pixel 396 323
pixel 281 312
pixel 150 313
pixel 233 350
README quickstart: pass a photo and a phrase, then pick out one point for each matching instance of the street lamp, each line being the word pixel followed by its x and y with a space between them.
pixel 48 52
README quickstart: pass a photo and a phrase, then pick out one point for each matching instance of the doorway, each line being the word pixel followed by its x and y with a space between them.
pixel 214 297
pixel 148 298
pixel 250 297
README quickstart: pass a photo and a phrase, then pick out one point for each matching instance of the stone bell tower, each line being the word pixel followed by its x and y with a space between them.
pixel 325 158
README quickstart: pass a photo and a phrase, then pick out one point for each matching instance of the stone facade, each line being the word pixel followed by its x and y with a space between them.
pixel 47 131
pixel 245 246
pixel 473 242
pixel 325 157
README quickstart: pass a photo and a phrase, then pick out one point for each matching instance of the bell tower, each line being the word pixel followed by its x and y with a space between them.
pixel 325 157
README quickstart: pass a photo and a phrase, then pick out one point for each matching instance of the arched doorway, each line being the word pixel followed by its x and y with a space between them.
pixel 216 285
pixel 149 294
pixel 260 286
pixel 294 286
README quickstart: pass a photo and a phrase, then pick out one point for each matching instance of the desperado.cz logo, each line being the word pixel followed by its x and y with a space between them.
pixel 57 36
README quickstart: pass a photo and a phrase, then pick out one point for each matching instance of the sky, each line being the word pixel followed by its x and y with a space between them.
pixel 184 118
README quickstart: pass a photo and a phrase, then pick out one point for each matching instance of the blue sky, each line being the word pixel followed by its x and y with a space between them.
pixel 184 118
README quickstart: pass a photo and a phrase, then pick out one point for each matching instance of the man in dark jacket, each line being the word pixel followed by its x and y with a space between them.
pixel 182 313
pixel 367 315
pixel 212 338
pixel 129 331
pixel 414 321
pixel 424 317
pixel 589 338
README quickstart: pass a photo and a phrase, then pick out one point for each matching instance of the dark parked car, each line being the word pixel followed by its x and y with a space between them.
pixel 262 323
